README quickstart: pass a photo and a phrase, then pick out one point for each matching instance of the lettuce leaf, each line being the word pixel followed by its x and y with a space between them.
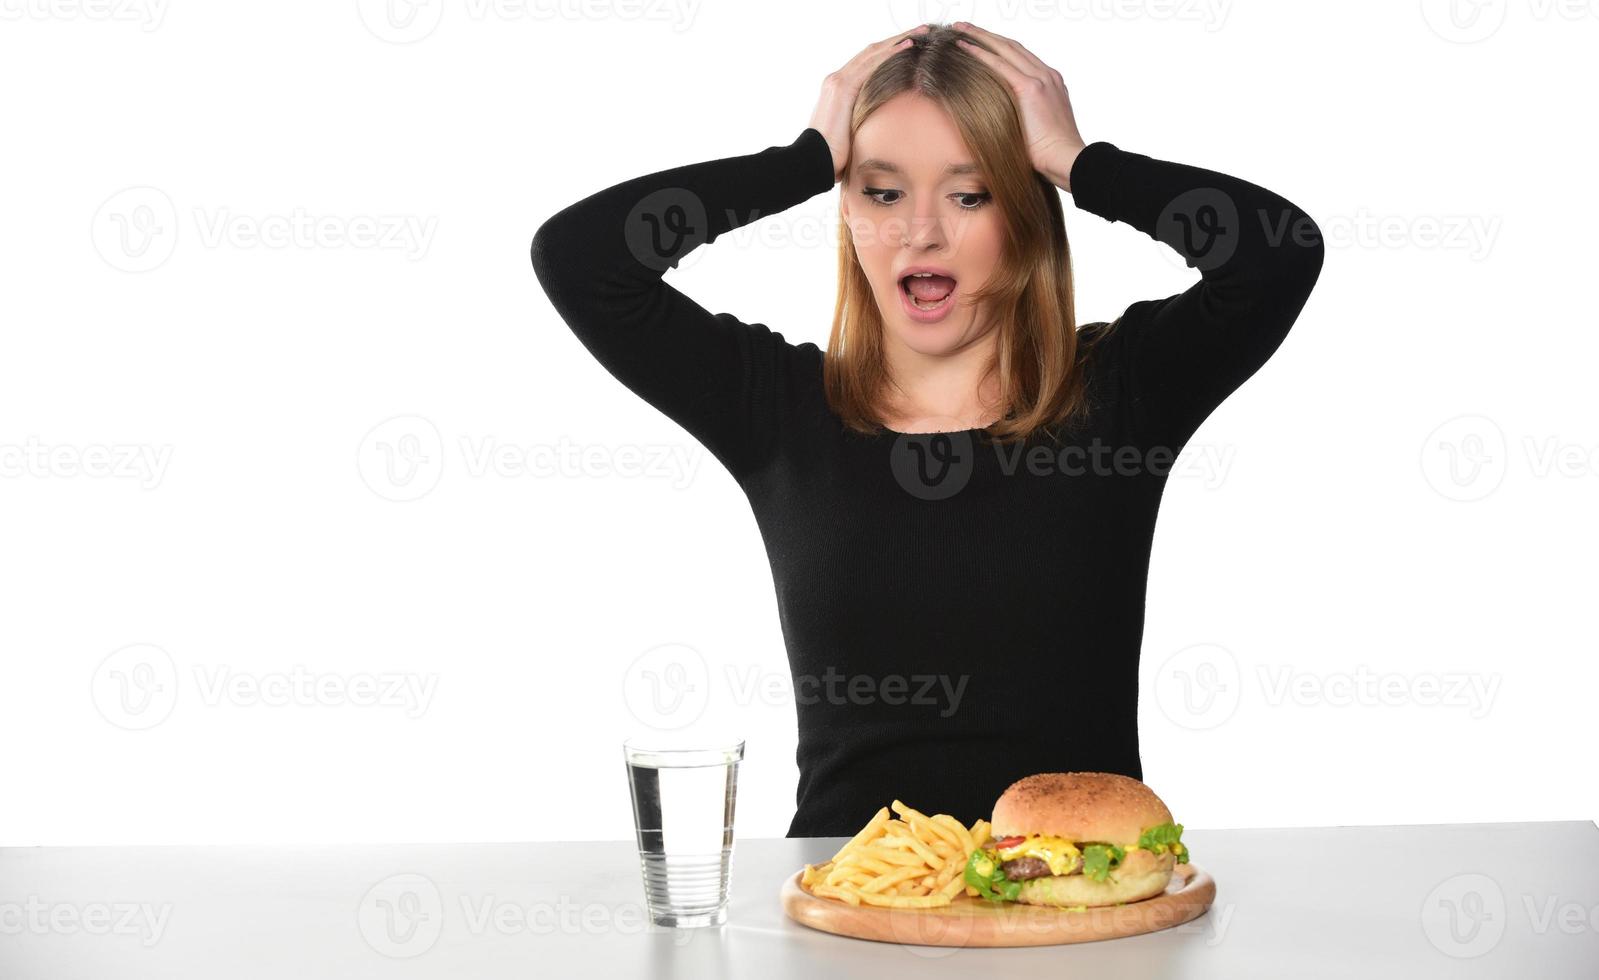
pixel 983 870
pixel 1099 859
pixel 984 874
pixel 1164 837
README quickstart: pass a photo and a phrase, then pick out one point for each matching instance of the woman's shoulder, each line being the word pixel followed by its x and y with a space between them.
pixel 1100 359
pixel 1091 334
pixel 1099 347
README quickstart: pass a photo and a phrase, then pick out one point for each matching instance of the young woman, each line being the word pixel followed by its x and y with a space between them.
pixel 958 495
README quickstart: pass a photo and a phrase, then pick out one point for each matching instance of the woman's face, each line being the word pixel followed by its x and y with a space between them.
pixel 913 199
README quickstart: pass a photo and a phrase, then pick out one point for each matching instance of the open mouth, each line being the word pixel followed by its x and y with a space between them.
pixel 928 296
pixel 927 290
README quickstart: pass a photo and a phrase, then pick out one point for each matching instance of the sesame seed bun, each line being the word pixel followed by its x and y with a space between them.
pixel 1079 806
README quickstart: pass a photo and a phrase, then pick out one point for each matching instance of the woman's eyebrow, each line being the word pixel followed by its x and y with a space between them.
pixel 887 166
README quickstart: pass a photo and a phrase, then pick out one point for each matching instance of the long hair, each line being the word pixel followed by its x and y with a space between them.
pixel 1039 351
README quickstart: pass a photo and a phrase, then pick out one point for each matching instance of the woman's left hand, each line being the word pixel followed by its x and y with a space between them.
pixel 1052 138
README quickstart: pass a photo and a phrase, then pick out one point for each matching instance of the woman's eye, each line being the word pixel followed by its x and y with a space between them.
pixel 967 201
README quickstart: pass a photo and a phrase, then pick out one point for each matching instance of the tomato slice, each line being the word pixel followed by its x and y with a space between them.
pixel 1005 842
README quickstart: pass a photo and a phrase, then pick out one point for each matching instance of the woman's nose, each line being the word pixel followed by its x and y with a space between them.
pixel 925 230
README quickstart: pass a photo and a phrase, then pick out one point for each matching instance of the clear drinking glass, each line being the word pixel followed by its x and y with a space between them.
pixel 683 812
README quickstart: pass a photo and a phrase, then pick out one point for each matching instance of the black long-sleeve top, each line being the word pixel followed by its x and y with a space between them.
pixel 955 617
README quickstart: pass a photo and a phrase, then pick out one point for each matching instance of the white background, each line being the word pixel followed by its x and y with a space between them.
pixel 196 406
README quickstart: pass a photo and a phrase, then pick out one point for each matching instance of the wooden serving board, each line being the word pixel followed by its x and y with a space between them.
pixel 970 921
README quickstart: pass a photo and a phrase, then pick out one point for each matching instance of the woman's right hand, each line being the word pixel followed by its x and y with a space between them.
pixel 836 105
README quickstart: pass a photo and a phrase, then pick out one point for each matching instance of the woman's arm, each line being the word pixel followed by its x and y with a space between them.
pixel 1258 255
pixel 601 262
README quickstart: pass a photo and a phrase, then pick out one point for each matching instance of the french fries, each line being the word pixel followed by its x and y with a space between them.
pixel 910 862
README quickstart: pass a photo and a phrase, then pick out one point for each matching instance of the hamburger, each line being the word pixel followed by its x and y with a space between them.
pixel 1077 840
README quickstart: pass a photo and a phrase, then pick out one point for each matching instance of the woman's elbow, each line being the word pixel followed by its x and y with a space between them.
pixel 543 251
pixel 1303 252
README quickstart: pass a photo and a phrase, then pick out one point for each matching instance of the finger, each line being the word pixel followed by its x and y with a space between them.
pixel 1004 43
pixel 880 51
pixel 867 61
pixel 897 35
pixel 1006 69
pixel 893 42
pixel 874 54
pixel 1020 56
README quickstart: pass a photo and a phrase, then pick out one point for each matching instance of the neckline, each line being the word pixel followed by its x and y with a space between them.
pixel 885 430
pixel 941 432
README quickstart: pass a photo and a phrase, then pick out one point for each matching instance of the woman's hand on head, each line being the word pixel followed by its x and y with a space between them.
pixel 1046 110
pixel 836 106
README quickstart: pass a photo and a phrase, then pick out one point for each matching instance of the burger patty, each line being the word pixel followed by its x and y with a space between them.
pixel 1023 868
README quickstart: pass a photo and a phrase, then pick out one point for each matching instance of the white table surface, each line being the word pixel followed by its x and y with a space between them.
pixel 1456 900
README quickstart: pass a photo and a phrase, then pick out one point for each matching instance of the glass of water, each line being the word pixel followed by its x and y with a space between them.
pixel 683 812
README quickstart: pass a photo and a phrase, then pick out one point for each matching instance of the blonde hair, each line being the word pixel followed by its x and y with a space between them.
pixel 1040 351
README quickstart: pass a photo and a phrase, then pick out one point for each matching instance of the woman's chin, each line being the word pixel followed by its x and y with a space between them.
pixel 930 342
pixel 929 338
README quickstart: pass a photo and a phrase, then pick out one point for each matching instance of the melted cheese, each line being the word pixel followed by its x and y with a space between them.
pixel 1060 854
pixel 1057 852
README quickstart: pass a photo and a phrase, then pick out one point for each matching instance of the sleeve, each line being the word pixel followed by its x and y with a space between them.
pixel 1258 256
pixel 601 261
